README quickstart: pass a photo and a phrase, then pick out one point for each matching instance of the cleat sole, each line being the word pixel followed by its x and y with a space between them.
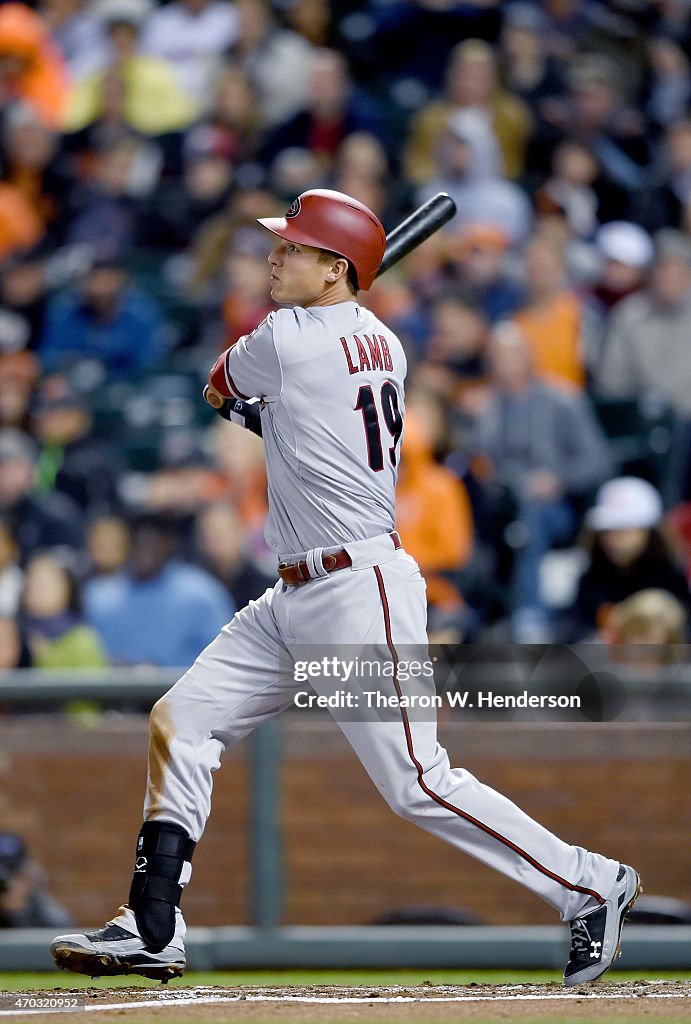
pixel 106 965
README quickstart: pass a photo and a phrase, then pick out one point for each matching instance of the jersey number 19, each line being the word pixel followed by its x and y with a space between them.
pixel 388 399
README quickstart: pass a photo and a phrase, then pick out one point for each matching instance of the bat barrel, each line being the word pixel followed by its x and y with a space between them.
pixel 411 232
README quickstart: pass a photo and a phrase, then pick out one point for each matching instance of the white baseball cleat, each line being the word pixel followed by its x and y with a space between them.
pixel 596 934
pixel 118 948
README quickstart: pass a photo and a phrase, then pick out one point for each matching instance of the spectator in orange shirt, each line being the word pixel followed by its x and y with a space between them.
pixel 551 316
pixel 20 225
pixel 433 510
pixel 34 166
pixel 31 68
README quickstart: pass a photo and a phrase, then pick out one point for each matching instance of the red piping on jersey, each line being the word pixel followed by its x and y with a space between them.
pixel 229 380
pixel 435 796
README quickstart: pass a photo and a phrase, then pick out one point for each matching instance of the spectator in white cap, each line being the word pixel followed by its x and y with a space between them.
pixel 627 552
pixel 647 349
pixel 622 256
pixel 627 253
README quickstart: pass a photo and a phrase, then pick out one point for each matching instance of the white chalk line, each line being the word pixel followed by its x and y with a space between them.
pixel 169 1001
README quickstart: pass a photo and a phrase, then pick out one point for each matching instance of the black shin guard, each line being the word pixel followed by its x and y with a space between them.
pixel 162 849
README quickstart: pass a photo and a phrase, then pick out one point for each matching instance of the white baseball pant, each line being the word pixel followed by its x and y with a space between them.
pixel 244 677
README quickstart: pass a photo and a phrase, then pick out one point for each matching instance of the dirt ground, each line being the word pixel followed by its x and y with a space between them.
pixel 649 1001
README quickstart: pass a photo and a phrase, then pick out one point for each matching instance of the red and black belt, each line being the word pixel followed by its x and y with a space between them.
pixel 294 573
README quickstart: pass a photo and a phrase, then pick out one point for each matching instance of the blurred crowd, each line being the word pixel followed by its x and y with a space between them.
pixel 24 899
pixel 545 483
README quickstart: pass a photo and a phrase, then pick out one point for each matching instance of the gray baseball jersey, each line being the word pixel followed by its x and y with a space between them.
pixel 331 383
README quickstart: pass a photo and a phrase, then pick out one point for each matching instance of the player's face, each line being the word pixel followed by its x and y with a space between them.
pixel 298 276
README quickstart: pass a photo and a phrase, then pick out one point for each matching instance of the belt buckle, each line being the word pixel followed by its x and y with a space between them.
pixel 284 565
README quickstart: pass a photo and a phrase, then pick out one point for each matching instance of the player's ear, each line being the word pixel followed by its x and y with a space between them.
pixel 337 270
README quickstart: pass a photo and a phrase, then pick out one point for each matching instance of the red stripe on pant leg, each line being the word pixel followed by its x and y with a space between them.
pixel 435 796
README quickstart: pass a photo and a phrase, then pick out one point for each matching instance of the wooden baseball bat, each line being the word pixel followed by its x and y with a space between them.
pixel 411 232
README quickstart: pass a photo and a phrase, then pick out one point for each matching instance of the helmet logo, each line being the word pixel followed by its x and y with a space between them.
pixel 294 209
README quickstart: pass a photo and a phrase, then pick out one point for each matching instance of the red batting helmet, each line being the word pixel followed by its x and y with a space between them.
pixel 331 220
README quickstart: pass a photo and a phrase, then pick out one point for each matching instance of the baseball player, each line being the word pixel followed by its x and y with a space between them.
pixel 329 376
